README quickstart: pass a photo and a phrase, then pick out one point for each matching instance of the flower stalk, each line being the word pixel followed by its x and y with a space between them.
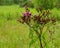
pixel 41 20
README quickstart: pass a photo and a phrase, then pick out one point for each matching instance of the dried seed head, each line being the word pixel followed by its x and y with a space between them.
pixel 26 7
pixel 20 20
pixel 43 13
pixel 53 20
pixel 47 12
pixel 40 8
pixel 35 17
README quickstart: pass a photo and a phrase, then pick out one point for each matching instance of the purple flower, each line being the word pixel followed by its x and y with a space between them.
pixel 24 14
pixel 28 13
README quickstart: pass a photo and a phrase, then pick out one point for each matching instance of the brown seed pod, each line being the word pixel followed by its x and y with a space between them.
pixel 40 8
pixel 37 19
pixel 47 12
pixel 28 18
pixel 53 20
pixel 23 18
pixel 45 20
pixel 20 20
pixel 43 13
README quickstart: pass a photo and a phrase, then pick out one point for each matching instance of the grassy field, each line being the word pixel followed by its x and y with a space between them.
pixel 16 35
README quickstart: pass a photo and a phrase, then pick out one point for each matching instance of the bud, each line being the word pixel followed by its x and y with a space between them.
pixel 37 19
pixel 47 12
pixel 43 13
pixel 27 15
pixel 20 20
pixel 53 20
pixel 40 8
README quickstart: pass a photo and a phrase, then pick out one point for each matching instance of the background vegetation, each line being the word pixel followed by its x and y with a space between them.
pixel 16 35
pixel 44 3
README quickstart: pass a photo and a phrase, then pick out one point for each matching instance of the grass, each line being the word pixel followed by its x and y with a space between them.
pixel 16 35
pixel 13 35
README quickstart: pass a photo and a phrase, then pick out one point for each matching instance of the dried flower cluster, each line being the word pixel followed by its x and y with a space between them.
pixel 42 18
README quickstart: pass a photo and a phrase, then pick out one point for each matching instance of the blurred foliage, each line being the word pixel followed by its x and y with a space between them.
pixel 46 3
pixel 33 3
pixel 18 33
pixel 14 12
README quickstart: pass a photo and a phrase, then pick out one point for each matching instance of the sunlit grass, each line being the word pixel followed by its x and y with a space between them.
pixel 16 35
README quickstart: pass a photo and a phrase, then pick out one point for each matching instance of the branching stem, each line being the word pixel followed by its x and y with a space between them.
pixel 39 35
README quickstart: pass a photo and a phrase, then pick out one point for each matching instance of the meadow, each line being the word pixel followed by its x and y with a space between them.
pixel 16 35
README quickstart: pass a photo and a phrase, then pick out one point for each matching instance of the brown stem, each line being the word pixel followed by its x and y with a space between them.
pixel 41 45
pixel 40 39
pixel 39 35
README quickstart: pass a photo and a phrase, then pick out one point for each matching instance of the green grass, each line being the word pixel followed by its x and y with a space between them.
pixel 13 34
pixel 16 35
pixel 12 12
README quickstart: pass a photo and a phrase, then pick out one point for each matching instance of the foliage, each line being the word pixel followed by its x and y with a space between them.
pixel 15 35
pixel 47 4
pixel 33 3
pixel 39 22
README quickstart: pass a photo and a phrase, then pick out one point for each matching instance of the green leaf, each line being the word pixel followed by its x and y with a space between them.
pixel 33 41
pixel 31 33
pixel 36 26
pixel 46 45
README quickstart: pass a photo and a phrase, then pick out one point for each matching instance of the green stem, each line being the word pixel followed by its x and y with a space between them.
pixel 40 39
pixel 39 35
